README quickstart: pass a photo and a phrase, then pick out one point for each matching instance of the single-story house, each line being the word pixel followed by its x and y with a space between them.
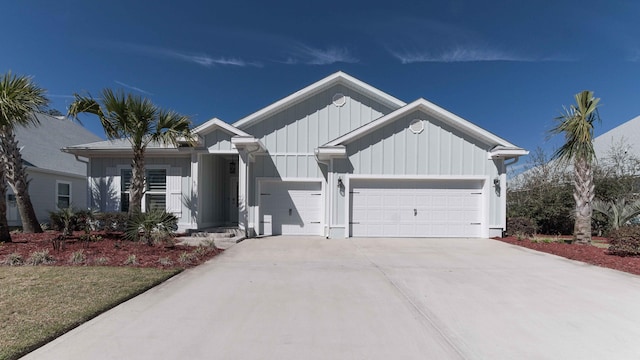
pixel 57 179
pixel 338 158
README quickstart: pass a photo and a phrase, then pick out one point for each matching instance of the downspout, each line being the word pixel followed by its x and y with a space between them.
pixel 88 176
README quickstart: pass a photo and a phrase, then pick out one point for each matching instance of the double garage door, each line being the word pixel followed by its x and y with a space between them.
pixel 290 208
pixel 416 208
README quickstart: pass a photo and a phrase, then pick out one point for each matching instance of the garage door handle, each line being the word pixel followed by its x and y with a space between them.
pixel 415 212
pixel 475 223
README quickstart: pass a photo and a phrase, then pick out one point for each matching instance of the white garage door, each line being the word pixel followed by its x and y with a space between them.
pixel 290 208
pixel 416 208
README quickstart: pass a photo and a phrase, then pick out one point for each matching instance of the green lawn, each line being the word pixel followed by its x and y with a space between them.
pixel 38 303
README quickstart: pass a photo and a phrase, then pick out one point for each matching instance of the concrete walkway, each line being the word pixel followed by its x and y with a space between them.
pixel 313 298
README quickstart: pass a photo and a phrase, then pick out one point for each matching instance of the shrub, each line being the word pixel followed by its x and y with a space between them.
pixel 186 258
pixel 131 260
pixel 77 257
pixel 101 260
pixel 520 226
pixel 13 259
pixel 68 220
pixel 625 241
pixel 152 226
pixel 65 220
pixel 40 258
pixel 200 251
pixel 165 261
pixel 109 221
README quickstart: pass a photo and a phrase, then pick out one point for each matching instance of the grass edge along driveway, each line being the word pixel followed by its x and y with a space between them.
pixel 39 303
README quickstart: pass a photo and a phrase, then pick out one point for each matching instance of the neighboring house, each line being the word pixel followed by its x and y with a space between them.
pixel 57 179
pixel 624 138
pixel 338 158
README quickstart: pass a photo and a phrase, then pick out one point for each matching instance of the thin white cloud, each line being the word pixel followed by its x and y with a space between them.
pixel 634 56
pixel 132 87
pixel 200 59
pixel 458 54
pixel 468 54
pixel 304 54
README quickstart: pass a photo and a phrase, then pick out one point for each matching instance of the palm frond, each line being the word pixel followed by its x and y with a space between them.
pixel 618 212
pixel 577 124
pixel 20 99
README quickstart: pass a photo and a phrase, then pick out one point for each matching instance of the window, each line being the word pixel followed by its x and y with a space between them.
pixel 155 196
pixel 63 194
pixel 156 189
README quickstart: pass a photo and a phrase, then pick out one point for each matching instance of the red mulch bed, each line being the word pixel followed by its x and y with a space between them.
pixel 111 250
pixel 585 253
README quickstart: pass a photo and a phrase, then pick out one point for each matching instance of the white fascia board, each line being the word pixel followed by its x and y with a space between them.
pixel 95 152
pixel 507 153
pixel 215 123
pixel 429 108
pixel 247 142
pixel 335 78
pixel 325 153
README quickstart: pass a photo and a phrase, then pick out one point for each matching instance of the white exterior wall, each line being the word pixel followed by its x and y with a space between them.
pixel 104 180
pixel 292 135
pixel 302 127
pixel 43 191
pixel 439 151
pixel 218 140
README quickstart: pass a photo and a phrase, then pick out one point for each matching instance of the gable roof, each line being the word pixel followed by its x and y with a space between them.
pixel 451 119
pixel 40 145
pixel 216 123
pixel 331 80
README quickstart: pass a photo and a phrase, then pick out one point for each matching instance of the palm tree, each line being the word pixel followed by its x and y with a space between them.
pixel 137 119
pixel 20 99
pixel 576 123
pixel 5 235
pixel 619 212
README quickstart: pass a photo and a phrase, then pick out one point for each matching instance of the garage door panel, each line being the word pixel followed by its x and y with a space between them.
pixel 291 208
pixel 416 208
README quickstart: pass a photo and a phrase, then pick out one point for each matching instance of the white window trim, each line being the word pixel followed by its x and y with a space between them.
pixel 144 198
pixel 58 182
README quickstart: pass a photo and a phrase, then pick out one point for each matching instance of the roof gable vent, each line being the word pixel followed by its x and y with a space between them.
pixel 339 99
pixel 416 126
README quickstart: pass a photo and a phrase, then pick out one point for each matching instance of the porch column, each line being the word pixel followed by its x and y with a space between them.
pixel 195 220
pixel 243 192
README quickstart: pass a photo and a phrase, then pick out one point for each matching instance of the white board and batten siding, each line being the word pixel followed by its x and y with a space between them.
pixel 290 207
pixel 173 192
pixel 429 207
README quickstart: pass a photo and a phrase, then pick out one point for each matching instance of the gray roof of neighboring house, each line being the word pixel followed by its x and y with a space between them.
pixel 627 135
pixel 40 145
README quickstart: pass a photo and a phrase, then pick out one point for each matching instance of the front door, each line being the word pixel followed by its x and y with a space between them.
pixel 233 205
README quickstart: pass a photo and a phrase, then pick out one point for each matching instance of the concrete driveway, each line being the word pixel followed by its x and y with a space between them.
pixel 313 298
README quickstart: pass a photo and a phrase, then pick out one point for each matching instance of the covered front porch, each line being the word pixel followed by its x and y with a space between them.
pixel 218 190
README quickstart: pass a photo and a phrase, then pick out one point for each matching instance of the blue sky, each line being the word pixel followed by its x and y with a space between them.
pixel 507 66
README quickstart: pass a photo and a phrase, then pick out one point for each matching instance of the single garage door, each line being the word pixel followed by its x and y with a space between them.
pixel 416 208
pixel 290 208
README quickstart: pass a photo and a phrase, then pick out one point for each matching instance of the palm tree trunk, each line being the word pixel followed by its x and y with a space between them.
pixel 16 175
pixel 137 182
pixel 583 194
pixel 5 235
